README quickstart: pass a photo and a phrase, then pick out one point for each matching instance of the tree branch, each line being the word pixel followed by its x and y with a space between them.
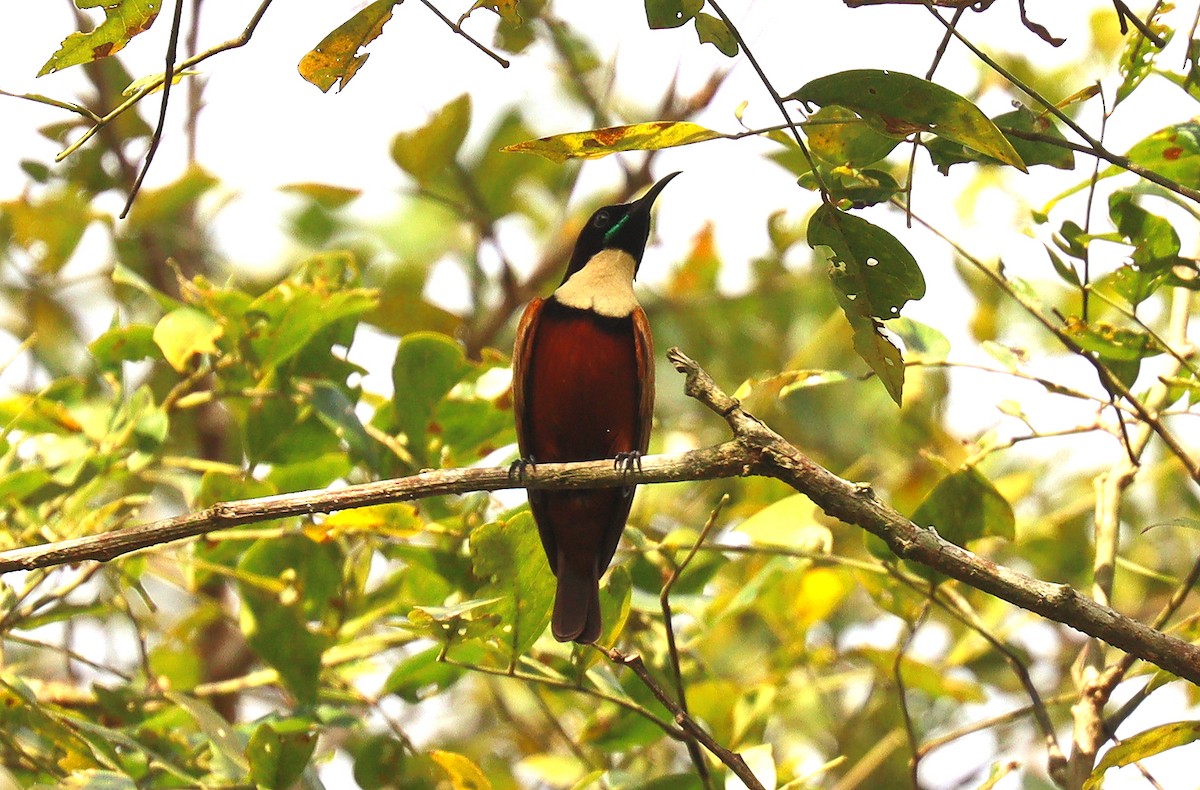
pixel 754 450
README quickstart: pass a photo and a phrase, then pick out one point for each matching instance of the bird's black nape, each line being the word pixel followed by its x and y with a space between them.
pixel 625 226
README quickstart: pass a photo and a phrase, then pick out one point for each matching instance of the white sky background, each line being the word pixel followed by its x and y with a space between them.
pixel 264 126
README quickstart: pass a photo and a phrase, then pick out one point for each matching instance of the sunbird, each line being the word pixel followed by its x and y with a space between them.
pixel 583 390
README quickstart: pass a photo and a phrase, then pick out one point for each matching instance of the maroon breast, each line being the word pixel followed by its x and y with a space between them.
pixel 582 387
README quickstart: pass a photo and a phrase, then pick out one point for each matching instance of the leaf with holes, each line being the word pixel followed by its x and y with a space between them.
pixel 597 143
pixel 873 276
pixel 900 104
pixel 661 14
pixel 1137 61
pixel 123 19
pixel 336 59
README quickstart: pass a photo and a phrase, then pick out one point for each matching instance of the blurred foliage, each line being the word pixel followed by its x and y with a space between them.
pixel 403 645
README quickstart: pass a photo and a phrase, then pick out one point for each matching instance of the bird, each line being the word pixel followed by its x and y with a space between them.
pixel 583 390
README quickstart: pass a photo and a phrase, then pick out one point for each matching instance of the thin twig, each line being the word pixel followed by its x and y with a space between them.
pixel 762 76
pixel 168 79
pixel 1095 147
pixel 902 692
pixel 1124 15
pixel 458 29
pixel 673 732
pixel 664 600
pixel 1107 379
pixel 732 760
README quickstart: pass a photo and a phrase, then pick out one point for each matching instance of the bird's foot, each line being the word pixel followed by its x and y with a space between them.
pixel 517 469
pixel 627 462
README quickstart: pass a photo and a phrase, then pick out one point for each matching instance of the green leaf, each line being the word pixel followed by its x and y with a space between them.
pixel 95 779
pixel 861 188
pixel 899 105
pixel 185 332
pixel 1113 342
pixel 873 276
pixel 421 675
pixel 279 751
pixel 964 506
pixel 226 744
pixel 498 176
pixel 505 9
pixel 336 411
pixel 1173 152
pixel 662 14
pixel 843 139
pixel 124 276
pixel 921 341
pixel 336 58
pixel 509 555
pixel 49 228
pixel 597 143
pixel 327 196
pixel 286 584
pixel 1155 242
pixel 124 344
pixel 1143 745
pixel 1033 152
pixel 426 368
pixel 944 152
pixel 123 19
pixel 292 315
pixel 1064 270
pixel 428 151
pixel 713 30
pixel 466 620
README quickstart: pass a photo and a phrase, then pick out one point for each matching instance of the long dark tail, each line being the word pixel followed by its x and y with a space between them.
pixel 576 605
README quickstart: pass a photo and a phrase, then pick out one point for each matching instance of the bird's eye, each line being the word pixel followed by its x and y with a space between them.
pixel 601 219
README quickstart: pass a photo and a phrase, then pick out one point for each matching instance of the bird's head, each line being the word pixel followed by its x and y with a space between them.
pixel 624 227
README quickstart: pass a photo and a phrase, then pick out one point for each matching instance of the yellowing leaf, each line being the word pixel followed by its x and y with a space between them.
pixel 181 333
pixel 505 9
pixel 821 590
pixel 336 58
pixel 790 521
pixel 123 19
pixel 395 519
pixel 1143 745
pixel 464 774
pixel 597 143
pixel 142 83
